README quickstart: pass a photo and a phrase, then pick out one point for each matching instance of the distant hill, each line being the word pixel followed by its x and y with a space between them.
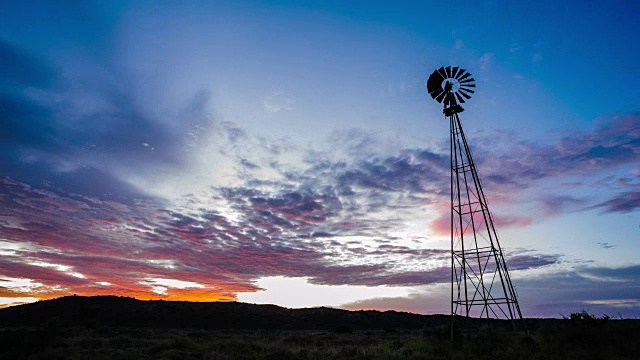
pixel 101 311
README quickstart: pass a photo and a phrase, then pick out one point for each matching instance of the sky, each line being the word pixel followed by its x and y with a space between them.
pixel 288 152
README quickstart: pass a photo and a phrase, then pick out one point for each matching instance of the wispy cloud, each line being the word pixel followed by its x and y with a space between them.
pixel 333 217
pixel 555 293
pixel 605 245
pixel 485 61
pixel 278 101
pixel 624 202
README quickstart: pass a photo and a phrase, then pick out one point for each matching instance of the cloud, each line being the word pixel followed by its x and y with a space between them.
pixel 161 286
pixel 549 294
pixel 523 261
pixel 623 202
pixel 275 235
pixel 605 245
pixel 288 233
pixel 582 288
pixel 434 300
pixel 277 101
pixel 613 141
pixel 485 61
pixel 556 204
pixel 303 229
pixel 442 224
pixel 333 218
pixel 86 129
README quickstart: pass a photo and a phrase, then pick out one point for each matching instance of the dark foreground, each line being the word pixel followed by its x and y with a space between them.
pixel 122 328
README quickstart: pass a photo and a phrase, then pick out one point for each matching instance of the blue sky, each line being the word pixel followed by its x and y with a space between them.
pixel 288 152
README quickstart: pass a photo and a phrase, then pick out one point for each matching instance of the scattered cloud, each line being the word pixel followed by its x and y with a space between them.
pixel 613 141
pixel 555 204
pixel 624 202
pixel 605 245
pixel 277 101
pixel 555 293
pixel 333 218
pixel 485 61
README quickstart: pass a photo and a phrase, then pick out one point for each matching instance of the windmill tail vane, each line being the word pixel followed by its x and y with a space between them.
pixel 480 282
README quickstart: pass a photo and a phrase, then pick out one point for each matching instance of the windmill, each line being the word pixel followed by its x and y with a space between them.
pixel 480 282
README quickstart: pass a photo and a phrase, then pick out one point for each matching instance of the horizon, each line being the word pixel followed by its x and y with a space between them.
pixel 558 316
pixel 286 152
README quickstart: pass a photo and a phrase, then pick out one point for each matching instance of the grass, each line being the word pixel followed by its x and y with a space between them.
pixel 579 336
pixel 571 341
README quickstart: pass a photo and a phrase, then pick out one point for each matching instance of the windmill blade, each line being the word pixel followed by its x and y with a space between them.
pixel 466 89
pixel 438 72
pixel 435 82
pixel 435 94
pixel 460 73
pixel 467 80
pixel 460 99
pixel 467 85
pixel 455 71
pixel 440 97
pixel 463 94
pixel 442 72
pixel 448 70
pixel 436 76
pixel 465 76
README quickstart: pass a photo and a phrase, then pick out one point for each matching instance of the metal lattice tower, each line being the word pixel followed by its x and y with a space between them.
pixel 480 282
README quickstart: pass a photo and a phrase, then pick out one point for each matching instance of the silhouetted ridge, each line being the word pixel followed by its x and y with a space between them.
pixel 100 311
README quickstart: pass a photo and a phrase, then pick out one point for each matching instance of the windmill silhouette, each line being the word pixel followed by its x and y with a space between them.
pixel 480 281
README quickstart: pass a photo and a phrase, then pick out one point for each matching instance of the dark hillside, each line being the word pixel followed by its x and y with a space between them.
pixel 100 311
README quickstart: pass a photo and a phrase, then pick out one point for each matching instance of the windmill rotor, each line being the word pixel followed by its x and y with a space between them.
pixel 451 86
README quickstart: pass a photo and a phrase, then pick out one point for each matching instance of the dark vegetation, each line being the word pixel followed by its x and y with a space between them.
pixel 111 327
